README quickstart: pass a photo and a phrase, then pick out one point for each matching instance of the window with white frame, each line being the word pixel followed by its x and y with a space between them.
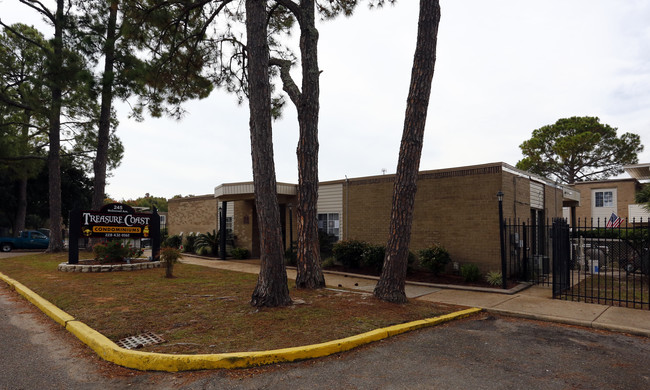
pixel 329 223
pixel 604 198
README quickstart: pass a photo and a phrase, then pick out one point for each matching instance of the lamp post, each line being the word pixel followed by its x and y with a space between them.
pixel 504 268
pixel 290 227
pixel 223 232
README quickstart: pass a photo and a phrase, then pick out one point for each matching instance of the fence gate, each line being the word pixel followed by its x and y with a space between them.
pixel 602 263
pixel 561 243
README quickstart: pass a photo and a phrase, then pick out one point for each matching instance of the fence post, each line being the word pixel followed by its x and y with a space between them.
pixel 73 235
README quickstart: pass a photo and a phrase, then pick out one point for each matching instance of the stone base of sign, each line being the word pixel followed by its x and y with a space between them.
pixel 65 267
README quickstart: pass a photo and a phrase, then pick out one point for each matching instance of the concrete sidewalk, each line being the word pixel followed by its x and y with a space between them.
pixel 535 302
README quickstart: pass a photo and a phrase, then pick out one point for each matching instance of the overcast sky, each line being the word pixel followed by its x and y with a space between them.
pixel 504 68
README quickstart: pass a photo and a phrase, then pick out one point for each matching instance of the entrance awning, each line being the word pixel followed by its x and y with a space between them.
pixel 246 190
pixel 638 171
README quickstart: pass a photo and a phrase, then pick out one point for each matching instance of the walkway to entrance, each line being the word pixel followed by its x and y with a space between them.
pixel 535 302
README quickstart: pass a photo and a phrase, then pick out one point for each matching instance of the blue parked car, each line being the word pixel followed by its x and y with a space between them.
pixel 28 239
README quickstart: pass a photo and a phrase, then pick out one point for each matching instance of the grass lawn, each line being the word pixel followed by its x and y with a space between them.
pixel 611 289
pixel 205 310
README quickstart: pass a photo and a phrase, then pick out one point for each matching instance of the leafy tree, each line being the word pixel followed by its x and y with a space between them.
pixel 76 189
pixel 103 34
pixel 222 58
pixel 393 277
pixel 643 197
pixel 22 129
pixel 71 108
pixel 579 149
pixel 149 201
pixel 62 69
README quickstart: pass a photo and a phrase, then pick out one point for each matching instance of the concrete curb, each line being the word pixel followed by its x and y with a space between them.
pixel 593 324
pixel 109 351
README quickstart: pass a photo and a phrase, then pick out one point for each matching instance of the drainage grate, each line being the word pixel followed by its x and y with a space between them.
pixel 140 341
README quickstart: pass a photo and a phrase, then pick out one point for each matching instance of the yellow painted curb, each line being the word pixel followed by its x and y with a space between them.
pixel 45 306
pixel 109 351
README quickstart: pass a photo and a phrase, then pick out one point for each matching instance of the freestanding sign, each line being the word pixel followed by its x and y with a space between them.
pixel 113 221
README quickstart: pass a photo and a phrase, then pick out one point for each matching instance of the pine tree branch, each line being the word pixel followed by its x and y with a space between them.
pixel 288 85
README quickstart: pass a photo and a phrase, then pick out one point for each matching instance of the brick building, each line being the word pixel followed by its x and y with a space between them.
pixel 455 207
pixel 600 198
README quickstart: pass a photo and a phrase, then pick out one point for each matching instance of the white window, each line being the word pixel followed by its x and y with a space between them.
pixel 603 204
pixel 229 223
pixel 604 198
pixel 329 223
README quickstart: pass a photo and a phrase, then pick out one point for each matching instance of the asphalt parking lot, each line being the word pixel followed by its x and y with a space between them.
pixel 482 352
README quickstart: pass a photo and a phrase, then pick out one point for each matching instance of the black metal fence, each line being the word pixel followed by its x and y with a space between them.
pixel 528 251
pixel 589 261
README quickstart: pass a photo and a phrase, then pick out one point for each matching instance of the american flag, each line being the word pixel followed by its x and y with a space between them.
pixel 614 221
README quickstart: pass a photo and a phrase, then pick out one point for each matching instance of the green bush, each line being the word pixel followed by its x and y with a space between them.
pixel 207 240
pixel 174 241
pixel 326 242
pixel 494 278
pixel 239 253
pixel 434 258
pixel 373 256
pixel 169 256
pixel 203 251
pixel 328 262
pixel 115 252
pixel 470 272
pixel 188 246
pixel 349 253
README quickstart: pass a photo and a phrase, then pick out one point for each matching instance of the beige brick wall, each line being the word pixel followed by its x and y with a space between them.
pixel 456 208
pixel 625 189
pixel 192 214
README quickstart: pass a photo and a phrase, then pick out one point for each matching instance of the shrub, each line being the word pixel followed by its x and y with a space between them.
pixel 470 272
pixel 349 253
pixel 115 252
pixel 373 256
pixel 170 256
pixel 434 258
pixel 239 253
pixel 494 278
pixel 326 242
pixel 174 241
pixel 209 241
pixel 203 251
pixel 328 262
pixel 190 239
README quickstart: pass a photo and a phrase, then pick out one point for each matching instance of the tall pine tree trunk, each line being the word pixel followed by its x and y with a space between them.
pixel 309 273
pixel 272 289
pixel 21 211
pixel 54 155
pixel 103 133
pixel 393 277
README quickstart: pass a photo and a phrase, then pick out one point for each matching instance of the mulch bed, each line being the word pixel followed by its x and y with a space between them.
pixel 423 277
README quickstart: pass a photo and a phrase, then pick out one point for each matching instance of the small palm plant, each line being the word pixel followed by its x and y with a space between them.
pixel 170 256
pixel 208 239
